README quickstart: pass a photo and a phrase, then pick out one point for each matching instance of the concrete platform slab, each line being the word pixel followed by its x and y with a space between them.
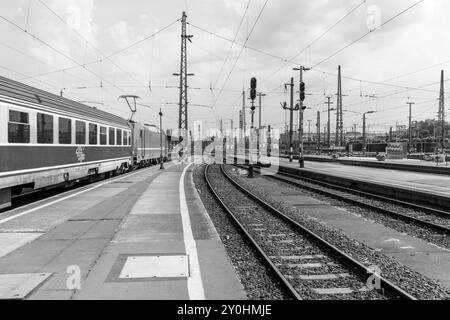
pixel 12 241
pixel 162 227
pixel 103 229
pixel 18 286
pixel 103 281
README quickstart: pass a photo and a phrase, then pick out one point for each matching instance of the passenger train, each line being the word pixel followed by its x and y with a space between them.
pixel 47 140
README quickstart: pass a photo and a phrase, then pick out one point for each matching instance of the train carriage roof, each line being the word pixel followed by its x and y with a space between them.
pixel 17 90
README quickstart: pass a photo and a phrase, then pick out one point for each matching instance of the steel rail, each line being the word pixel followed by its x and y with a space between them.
pixel 290 289
pixel 350 261
pixel 391 213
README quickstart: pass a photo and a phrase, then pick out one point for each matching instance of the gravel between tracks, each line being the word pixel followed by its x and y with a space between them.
pixel 414 283
pixel 292 250
pixel 255 277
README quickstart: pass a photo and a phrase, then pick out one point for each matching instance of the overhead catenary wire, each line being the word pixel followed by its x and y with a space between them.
pixel 58 51
pixel 242 49
pixel 87 42
pixel 367 33
pixel 317 39
pixel 99 60
pixel 232 44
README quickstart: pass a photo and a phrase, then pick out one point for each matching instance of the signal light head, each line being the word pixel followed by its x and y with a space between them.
pixel 253 83
pixel 302 86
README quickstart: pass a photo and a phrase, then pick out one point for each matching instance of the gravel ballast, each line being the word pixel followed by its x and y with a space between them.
pixel 414 283
pixel 428 234
pixel 255 277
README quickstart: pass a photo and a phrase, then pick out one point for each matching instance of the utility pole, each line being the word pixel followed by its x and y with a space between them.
pixel 442 111
pixel 355 126
pixel 243 112
pixel 339 116
pixel 291 121
pixel 183 104
pixel 260 95
pixel 291 118
pixel 410 126
pixel 301 93
pixel 318 133
pixel 364 134
pixel 253 85
pixel 329 103
pixel 309 130
pixel 364 130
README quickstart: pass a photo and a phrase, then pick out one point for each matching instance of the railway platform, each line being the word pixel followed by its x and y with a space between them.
pixel 143 235
pixel 390 164
pixel 415 181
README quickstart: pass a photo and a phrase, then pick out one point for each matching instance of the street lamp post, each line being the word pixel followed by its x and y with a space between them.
pixel 364 130
pixel 260 95
pixel 161 140
pixel 329 103
pixel 410 127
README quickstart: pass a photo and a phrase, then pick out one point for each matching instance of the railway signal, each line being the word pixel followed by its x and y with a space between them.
pixel 302 92
pixel 253 84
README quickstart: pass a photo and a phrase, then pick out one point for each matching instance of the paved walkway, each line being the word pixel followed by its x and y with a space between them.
pixel 143 236
pixel 434 183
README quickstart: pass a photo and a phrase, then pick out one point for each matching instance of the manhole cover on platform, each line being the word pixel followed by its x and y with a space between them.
pixel 141 267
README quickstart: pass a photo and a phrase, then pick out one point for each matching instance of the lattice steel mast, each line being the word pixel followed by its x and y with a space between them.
pixel 339 114
pixel 441 120
pixel 183 105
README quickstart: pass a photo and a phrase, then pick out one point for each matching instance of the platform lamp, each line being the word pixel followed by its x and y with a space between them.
pixel 161 140
pixel 364 130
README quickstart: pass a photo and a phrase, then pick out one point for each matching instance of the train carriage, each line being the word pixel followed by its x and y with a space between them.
pixel 46 140
pixel 147 145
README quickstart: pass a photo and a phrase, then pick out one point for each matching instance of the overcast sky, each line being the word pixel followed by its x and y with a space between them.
pixel 407 52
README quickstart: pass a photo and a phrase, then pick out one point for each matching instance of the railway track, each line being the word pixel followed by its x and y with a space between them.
pixel 307 265
pixel 434 219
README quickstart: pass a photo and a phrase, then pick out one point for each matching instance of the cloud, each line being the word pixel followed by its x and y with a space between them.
pixel 412 41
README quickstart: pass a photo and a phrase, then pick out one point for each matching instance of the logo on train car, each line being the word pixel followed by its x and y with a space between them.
pixel 81 156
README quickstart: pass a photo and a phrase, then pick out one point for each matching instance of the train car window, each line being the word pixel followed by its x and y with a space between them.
pixel 92 133
pixel 103 136
pixel 44 128
pixel 129 139
pixel 80 129
pixel 112 136
pixel 65 131
pixel 125 138
pixel 18 127
pixel 119 137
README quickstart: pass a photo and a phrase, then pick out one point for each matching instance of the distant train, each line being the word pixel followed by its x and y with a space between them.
pixel 47 140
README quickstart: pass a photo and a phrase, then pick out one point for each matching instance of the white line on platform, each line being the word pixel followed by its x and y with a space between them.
pixel 65 198
pixel 194 282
